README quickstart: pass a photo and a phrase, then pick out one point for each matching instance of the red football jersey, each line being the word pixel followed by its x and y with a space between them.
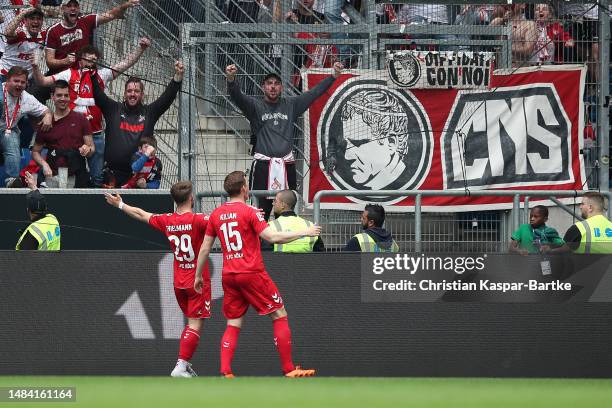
pixel 70 40
pixel 185 233
pixel 238 227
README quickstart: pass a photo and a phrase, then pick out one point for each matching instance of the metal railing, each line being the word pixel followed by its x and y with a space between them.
pixel 516 194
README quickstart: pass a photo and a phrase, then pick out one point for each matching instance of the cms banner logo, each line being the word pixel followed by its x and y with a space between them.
pixel 509 137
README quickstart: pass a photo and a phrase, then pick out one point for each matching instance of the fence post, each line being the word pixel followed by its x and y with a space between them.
pixel 187 108
pixel 209 59
pixel 516 212
pixel 417 224
pixel 370 51
pixel 603 96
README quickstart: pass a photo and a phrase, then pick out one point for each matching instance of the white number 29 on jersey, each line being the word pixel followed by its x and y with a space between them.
pixel 233 240
pixel 184 249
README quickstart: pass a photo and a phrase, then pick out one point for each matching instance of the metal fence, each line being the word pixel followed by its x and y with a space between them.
pixel 262 39
pixel 204 136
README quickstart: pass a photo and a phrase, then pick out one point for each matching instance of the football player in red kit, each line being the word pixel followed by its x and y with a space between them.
pixel 245 280
pixel 185 231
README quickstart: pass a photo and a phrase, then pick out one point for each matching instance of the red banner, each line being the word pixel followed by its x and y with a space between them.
pixel 523 133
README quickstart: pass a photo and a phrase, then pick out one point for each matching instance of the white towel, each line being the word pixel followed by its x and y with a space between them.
pixel 277 174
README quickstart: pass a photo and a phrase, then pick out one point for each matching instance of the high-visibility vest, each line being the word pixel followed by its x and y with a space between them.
pixel 367 244
pixel 293 223
pixel 47 233
pixel 596 235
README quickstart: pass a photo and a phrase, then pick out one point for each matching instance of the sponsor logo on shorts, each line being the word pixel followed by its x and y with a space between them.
pixel 277 299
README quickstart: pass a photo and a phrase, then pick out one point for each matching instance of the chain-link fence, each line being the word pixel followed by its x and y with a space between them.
pixel 204 135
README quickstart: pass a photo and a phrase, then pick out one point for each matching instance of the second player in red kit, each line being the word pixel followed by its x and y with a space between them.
pixel 185 232
pixel 245 280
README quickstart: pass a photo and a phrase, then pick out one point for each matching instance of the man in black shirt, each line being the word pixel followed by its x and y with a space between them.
pixel 129 120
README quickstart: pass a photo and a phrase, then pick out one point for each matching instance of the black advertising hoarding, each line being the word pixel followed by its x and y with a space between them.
pixel 114 313
pixel 87 221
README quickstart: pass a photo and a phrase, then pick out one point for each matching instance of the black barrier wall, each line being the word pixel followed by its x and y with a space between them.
pixel 87 222
pixel 114 313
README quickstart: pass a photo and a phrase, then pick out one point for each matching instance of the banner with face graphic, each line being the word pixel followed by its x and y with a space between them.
pixel 525 132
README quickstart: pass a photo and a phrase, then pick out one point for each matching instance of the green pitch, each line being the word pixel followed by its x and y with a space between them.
pixel 269 392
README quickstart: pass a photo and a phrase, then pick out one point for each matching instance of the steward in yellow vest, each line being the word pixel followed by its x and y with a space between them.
pixel 287 220
pixel 374 237
pixel 43 234
pixel 594 234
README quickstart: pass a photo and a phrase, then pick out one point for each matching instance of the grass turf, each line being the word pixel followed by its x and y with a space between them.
pixel 152 392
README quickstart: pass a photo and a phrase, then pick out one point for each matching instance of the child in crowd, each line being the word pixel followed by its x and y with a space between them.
pixel 529 238
pixel 146 167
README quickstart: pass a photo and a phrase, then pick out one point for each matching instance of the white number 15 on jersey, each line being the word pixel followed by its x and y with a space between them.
pixel 233 240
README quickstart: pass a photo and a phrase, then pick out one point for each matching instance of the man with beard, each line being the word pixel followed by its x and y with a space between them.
pixel 67 37
pixel 374 237
pixel 272 121
pixel 81 93
pixel 129 120
pixel 594 234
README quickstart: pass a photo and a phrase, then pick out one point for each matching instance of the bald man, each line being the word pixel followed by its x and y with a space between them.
pixel 283 207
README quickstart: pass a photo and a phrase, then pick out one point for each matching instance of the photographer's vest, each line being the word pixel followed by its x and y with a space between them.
pixel 367 244
pixel 596 235
pixel 46 231
pixel 293 223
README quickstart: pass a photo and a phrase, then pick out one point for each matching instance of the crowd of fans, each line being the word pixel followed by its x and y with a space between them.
pixel 546 33
pixel 88 139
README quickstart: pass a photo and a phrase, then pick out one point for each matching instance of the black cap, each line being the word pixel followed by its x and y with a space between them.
pixel 272 75
pixel 36 202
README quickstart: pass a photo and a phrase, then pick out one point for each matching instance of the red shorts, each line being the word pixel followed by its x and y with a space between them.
pixel 193 304
pixel 243 289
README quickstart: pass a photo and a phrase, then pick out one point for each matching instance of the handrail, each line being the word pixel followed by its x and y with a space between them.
pixel 516 194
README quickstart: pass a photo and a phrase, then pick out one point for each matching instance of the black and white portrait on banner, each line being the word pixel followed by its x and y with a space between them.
pixel 379 138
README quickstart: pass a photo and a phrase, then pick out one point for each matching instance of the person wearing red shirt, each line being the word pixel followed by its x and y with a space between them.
pixel 74 32
pixel 81 93
pixel 68 142
pixel 23 40
pixel 185 231
pixel 244 279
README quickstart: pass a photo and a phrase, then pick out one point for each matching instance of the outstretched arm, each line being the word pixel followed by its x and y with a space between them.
pixel 283 237
pixel 11 28
pixel 116 12
pixel 202 258
pixel 244 102
pixel 134 212
pixel 132 58
pixel 161 104
pixel 102 100
pixel 303 101
pixel 39 78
